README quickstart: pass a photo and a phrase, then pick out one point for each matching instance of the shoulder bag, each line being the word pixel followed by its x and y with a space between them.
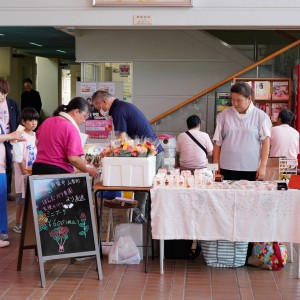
pixel 193 138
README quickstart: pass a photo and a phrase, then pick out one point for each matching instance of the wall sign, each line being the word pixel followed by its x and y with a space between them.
pixel 124 70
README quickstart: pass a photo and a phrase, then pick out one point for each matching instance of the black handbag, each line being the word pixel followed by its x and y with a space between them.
pixel 181 249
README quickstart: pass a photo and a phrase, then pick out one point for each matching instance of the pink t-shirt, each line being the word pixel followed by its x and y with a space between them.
pixel 2 158
pixel 191 155
pixel 57 138
pixel 284 141
pixel 4 121
pixel 4 117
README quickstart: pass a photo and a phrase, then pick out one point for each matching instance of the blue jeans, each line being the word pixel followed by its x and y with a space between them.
pixel 3 209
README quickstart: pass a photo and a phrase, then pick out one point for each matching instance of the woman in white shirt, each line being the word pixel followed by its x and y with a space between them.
pixel 242 137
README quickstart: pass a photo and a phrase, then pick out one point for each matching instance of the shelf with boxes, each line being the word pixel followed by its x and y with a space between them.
pixel 270 94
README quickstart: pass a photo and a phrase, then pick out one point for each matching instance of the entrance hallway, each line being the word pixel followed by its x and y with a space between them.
pixel 182 279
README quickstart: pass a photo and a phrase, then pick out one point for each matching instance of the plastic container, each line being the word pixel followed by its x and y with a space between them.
pixel 128 171
pixel 168 142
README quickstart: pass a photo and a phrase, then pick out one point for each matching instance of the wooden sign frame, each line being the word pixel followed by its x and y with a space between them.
pixel 62 198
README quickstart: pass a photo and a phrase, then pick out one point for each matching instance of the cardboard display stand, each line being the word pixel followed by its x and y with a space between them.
pixel 64 222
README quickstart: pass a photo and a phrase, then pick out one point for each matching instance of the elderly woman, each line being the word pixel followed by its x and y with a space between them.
pixel 242 137
pixel 59 145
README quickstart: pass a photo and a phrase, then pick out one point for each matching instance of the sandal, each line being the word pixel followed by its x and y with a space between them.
pixel 3 243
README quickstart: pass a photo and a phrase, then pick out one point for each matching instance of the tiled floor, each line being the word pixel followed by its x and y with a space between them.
pixel 182 279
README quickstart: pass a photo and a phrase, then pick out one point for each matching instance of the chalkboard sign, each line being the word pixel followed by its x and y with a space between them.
pixel 63 217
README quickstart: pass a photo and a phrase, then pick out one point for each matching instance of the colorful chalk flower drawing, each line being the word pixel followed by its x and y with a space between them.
pixel 42 220
pixel 60 235
pixel 85 228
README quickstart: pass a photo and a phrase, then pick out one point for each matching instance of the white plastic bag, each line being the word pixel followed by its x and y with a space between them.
pixel 17 153
pixel 135 230
pixel 124 251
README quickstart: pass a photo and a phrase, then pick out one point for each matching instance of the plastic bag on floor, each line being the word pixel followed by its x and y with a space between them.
pixel 124 251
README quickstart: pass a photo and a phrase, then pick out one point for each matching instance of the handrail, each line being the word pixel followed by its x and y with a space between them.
pixel 215 86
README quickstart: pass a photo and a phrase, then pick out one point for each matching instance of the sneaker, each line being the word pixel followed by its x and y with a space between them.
pixel 3 237
pixel 4 243
pixel 17 228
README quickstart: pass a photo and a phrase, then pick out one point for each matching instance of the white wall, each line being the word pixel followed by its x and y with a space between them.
pixel 47 83
pixel 169 66
pixel 203 15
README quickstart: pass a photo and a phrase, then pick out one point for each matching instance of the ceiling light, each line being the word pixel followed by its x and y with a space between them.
pixel 35 44
pixel 2 34
pixel 61 51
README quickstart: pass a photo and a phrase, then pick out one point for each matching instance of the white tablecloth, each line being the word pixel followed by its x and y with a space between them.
pixel 234 215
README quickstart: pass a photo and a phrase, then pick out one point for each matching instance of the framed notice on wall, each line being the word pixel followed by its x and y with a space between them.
pixel 142 2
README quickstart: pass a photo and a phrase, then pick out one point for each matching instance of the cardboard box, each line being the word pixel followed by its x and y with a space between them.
pixel 119 216
pixel 128 171
pixel 272 169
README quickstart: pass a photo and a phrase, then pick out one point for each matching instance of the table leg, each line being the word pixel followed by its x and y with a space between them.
pixel 148 231
pixel 100 223
pixel 97 212
pixel 161 255
pixel 298 275
pixel 291 257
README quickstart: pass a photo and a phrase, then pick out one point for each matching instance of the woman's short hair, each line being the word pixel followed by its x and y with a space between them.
pixel 242 88
pixel 193 121
pixel 4 87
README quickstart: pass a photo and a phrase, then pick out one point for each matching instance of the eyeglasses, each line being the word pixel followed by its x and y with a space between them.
pixel 86 115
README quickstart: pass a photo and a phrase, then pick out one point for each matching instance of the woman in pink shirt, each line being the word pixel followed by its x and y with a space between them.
pixel 59 146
